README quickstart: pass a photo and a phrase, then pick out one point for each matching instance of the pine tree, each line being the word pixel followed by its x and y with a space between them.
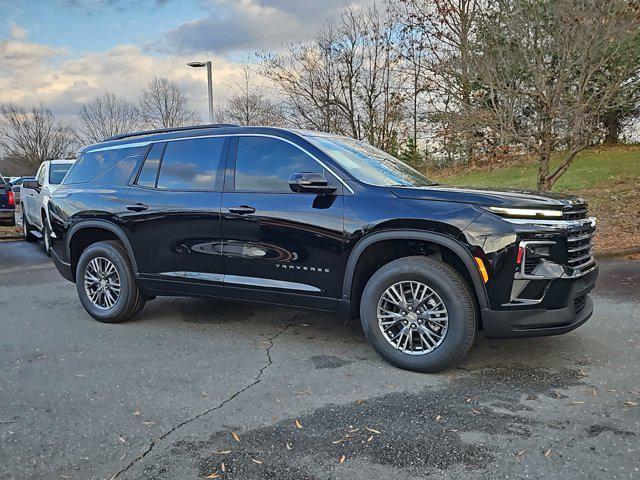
pixel 410 154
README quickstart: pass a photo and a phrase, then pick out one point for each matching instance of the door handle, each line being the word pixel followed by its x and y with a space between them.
pixel 242 210
pixel 138 207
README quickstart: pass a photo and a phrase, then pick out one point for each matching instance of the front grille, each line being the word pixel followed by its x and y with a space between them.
pixel 575 212
pixel 580 302
pixel 580 248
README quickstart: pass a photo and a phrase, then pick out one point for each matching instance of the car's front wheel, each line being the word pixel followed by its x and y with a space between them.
pixel 418 314
pixel 46 238
pixel 26 228
pixel 106 284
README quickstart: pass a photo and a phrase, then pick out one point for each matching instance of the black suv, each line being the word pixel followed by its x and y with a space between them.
pixel 320 221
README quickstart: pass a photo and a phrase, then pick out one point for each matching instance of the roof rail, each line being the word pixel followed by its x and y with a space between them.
pixel 166 130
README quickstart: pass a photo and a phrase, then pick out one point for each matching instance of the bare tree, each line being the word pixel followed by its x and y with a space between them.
pixel 249 104
pixel 164 104
pixel 545 68
pixel 345 79
pixel 27 138
pixel 437 37
pixel 104 117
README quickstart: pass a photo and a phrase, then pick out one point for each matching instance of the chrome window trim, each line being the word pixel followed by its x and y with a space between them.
pixel 142 144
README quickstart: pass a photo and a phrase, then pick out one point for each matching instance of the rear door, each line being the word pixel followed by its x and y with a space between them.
pixel 280 246
pixel 173 216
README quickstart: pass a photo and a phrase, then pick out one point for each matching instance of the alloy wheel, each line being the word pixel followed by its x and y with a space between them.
pixel 412 317
pixel 102 283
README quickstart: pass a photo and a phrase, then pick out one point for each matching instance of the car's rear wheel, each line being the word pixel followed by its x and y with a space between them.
pixel 26 228
pixel 106 284
pixel 418 314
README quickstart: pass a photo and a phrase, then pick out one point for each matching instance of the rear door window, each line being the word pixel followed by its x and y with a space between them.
pixel 192 165
pixel 148 175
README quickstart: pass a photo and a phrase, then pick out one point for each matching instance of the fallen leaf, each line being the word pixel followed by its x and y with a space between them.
pixel 223 467
pixel 259 462
pixel 288 445
pixel 631 403
pixel 520 453
pixel 235 436
pixel 122 439
pixel 438 418
pixel 370 438
pixel 468 400
pixel 373 430
pixel 575 402
pixel 337 441
pixel 148 423
pixel 531 397
pixel 222 452
pixel 547 453
pixel 298 424
pixel 353 430
pixel 214 475
pixel 359 402
pixel 137 413
pixel 594 392
pixel 342 459
pixel 476 412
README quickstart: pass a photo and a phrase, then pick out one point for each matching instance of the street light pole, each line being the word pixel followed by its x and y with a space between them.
pixel 209 84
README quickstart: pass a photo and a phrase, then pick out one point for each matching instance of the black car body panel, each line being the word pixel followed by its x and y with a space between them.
pixel 311 250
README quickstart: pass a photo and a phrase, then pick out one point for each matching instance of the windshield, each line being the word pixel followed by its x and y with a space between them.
pixel 57 171
pixel 368 164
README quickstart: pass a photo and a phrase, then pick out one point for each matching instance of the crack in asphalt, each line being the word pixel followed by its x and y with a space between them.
pixel 255 381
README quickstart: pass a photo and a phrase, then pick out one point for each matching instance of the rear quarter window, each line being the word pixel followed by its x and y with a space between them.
pixel 92 164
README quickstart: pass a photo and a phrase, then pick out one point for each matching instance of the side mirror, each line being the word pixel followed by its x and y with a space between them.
pixel 309 183
pixel 9 185
pixel 33 184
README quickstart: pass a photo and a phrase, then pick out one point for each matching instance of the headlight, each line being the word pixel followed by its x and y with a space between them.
pixel 526 212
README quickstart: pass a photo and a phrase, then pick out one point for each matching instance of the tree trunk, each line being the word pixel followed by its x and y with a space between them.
pixel 543 170
pixel 613 128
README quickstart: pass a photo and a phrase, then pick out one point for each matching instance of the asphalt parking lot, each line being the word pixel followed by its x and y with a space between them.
pixel 277 393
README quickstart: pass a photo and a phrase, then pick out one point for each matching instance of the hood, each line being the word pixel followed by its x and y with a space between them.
pixel 489 198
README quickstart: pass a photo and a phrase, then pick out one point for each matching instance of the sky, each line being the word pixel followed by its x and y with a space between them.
pixel 65 52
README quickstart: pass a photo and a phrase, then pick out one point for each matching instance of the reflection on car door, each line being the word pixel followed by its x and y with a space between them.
pixel 174 215
pixel 284 246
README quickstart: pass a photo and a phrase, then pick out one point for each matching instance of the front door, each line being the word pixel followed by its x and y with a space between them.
pixel 279 246
pixel 173 215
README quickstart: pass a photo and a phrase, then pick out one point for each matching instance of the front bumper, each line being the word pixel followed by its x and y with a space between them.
pixel 536 322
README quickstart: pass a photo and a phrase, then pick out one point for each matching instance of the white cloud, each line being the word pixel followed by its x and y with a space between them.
pixel 32 73
pixel 17 32
pixel 253 25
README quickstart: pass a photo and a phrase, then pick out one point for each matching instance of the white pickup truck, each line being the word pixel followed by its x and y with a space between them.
pixel 34 196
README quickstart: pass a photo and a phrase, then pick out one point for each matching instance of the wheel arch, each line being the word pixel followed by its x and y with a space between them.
pixel 437 239
pixel 96 225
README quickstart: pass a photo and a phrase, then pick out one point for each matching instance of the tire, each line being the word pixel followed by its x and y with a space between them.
pixel 46 238
pixel 130 299
pixel 26 228
pixel 449 288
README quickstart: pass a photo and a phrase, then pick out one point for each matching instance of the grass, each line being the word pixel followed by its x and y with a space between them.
pixel 590 169
pixel 607 177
